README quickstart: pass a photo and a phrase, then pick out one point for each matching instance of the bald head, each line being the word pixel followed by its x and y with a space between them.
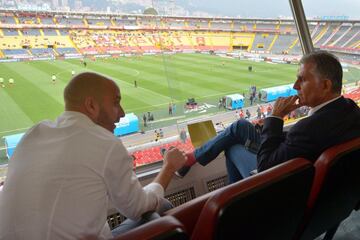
pixel 96 96
pixel 85 85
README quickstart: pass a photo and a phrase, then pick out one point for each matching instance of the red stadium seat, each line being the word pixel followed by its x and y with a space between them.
pixel 335 191
pixel 269 205
pixel 163 228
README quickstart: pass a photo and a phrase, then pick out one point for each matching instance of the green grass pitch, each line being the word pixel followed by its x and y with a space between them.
pixel 160 79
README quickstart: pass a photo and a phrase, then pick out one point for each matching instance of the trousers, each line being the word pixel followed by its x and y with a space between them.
pixel 233 141
pixel 129 224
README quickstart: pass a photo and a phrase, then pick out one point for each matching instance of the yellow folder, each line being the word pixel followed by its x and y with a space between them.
pixel 201 132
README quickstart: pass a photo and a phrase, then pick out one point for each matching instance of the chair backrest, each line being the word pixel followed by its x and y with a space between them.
pixel 201 132
pixel 189 212
pixel 269 205
pixel 162 228
pixel 336 188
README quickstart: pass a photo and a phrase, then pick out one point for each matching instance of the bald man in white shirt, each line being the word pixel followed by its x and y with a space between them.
pixel 64 174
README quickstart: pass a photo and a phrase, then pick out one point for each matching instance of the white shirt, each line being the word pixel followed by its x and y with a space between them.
pixel 61 178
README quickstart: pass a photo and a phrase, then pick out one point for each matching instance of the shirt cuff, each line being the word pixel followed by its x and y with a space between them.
pixel 155 188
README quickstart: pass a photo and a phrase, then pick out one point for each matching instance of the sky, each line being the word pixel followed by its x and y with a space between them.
pixel 275 8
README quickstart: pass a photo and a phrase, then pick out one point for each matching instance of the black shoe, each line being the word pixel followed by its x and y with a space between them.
pixel 162 151
pixel 182 171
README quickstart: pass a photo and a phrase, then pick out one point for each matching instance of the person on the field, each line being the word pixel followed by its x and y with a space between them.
pixel 11 82
pixel 53 78
pixel 64 174
pixel 332 119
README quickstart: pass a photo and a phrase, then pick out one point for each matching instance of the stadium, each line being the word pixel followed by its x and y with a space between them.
pixel 173 71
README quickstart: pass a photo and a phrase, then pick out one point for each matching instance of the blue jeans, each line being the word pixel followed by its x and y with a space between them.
pixel 129 224
pixel 239 161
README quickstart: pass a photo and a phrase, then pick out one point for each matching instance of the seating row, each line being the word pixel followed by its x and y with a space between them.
pixel 295 200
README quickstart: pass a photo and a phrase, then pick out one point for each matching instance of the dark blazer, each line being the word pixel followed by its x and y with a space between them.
pixel 334 123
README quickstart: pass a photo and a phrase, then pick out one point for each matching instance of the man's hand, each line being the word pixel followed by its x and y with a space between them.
pixel 260 122
pixel 284 106
pixel 174 159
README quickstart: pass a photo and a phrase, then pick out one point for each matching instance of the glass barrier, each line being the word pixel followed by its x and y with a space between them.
pixel 172 71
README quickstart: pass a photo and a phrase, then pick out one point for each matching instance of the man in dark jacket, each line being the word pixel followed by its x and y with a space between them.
pixel 332 119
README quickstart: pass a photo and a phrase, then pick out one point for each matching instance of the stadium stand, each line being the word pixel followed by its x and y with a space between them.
pixel 10 32
pixel 98 21
pixel 283 40
pixel 7 19
pixel 262 42
pixel 150 155
pixel 46 20
pixel 92 34
pixel 30 32
pixel 42 52
pixel 339 34
pixel 50 32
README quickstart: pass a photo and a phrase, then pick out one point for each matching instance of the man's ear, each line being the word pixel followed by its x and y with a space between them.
pixel 92 107
pixel 328 85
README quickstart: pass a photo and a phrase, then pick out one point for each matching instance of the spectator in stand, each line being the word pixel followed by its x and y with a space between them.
pixel 144 120
pixel 183 136
pixel 75 167
pixel 318 85
pixel 170 109
pixel 262 110
pixel 258 111
pixel 157 135
pixel 251 99
pixel 241 114
pixel 269 109
pixel 248 114
pixel 174 108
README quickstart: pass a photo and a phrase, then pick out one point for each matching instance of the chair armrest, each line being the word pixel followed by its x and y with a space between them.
pixel 166 227
pixel 189 212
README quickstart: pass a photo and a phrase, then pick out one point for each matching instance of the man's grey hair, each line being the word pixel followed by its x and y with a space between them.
pixel 327 66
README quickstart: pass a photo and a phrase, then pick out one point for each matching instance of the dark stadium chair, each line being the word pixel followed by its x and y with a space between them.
pixel 163 228
pixel 335 192
pixel 269 205
pixel 189 212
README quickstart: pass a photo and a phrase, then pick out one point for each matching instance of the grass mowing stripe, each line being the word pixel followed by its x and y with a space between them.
pixel 32 100
pixel 12 116
pixel 207 80
pixel 272 71
pixel 39 79
pixel 128 88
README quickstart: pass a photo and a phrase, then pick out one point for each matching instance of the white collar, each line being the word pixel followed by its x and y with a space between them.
pixel 317 108
pixel 71 115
